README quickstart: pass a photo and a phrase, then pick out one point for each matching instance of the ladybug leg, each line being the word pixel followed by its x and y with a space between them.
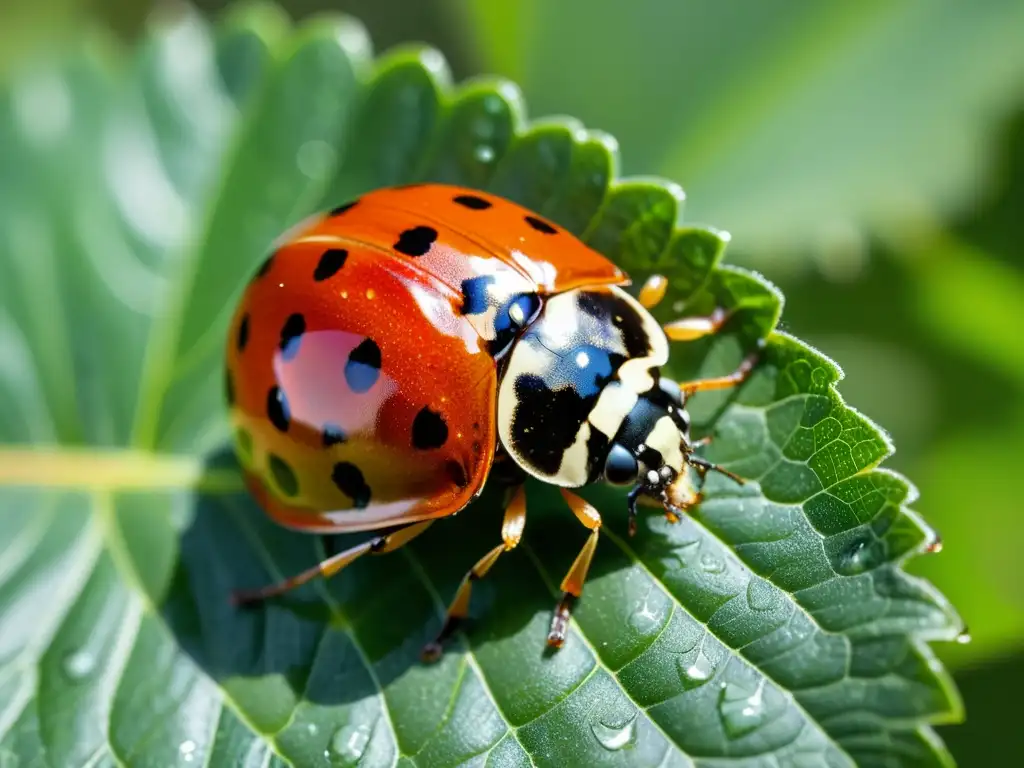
pixel 693 328
pixel 511 535
pixel 653 291
pixel 378 545
pixel 572 584
pixel 723 382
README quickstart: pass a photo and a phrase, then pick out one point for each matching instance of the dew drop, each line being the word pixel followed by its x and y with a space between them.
pixel 964 637
pixel 311 729
pixel 615 737
pixel 934 546
pixel 646 617
pixel 761 596
pixel 694 671
pixel 187 750
pixel 741 712
pixel 683 555
pixel 711 564
pixel 484 153
pixel 854 560
pixel 348 744
pixel 79 664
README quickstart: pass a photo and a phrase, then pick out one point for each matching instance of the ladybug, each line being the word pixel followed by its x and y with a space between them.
pixel 394 353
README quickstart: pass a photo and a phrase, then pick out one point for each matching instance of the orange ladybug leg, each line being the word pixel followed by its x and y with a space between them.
pixel 653 291
pixel 572 584
pixel 723 382
pixel 378 545
pixel 703 466
pixel 511 535
pixel 693 328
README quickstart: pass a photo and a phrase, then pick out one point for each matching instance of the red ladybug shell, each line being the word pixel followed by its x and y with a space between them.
pixel 361 361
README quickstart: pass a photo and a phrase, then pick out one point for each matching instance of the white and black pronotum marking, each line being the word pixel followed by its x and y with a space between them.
pixel 580 398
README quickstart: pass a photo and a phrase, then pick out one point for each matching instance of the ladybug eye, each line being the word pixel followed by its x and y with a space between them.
pixel 522 309
pixel 621 468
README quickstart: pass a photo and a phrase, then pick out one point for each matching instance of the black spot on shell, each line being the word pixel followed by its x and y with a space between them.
pixel 350 481
pixel 284 476
pixel 429 430
pixel 457 473
pixel 473 202
pixel 265 266
pixel 229 388
pixel 330 262
pixel 333 435
pixel 243 333
pixel 291 335
pixel 342 208
pixel 416 241
pixel 277 409
pixel 541 226
pixel 362 369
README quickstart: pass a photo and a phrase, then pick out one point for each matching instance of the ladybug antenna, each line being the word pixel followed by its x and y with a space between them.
pixel 703 466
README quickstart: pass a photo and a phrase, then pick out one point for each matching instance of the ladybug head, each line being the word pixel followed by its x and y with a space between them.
pixel 652 452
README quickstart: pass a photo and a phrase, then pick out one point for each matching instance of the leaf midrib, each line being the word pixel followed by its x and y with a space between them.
pixel 112 470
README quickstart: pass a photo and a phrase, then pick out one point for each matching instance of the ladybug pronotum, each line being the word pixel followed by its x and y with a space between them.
pixel 399 350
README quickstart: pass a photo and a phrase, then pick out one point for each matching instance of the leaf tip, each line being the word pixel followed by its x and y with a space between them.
pixel 426 58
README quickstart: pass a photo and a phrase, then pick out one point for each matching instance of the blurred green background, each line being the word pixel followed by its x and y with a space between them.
pixel 867 156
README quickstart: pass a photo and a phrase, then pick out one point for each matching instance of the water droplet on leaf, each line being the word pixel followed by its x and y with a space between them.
pixel 741 711
pixel 646 617
pixel 615 737
pixel 854 560
pixel 694 671
pixel 935 545
pixel 964 637
pixel 711 564
pixel 348 744
pixel 79 664
pixel 761 596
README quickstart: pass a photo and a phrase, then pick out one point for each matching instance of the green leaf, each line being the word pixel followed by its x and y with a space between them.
pixel 791 123
pixel 137 192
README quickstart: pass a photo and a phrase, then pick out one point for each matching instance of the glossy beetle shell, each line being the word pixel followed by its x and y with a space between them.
pixel 363 357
